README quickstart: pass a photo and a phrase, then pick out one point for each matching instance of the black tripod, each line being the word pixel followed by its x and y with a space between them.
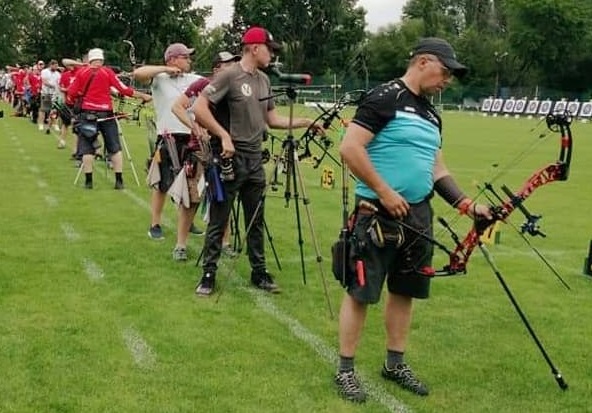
pixel 294 183
pixel 237 240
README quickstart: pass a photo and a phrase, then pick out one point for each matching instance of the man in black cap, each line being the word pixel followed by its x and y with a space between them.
pixel 393 146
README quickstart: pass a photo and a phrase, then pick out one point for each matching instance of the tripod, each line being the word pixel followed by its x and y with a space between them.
pixel 237 241
pixel 294 184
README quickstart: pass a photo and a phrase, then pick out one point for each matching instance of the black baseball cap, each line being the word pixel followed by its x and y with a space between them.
pixel 224 57
pixel 443 51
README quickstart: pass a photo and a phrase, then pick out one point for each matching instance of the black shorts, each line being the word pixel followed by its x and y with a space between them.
pixel 106 125
pixel 399 265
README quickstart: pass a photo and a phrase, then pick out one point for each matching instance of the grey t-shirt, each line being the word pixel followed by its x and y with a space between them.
pixel 247 97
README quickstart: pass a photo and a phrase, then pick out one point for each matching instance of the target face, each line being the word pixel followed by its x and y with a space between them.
pixel 486 105
pixel 520 105
pixel 509 105
pixel 559 106
pixel 573 108
pixel 497 105
pixel 532 107
pixel 586 110
pixel 545 107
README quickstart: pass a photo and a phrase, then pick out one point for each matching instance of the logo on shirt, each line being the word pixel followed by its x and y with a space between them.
pixel 246 89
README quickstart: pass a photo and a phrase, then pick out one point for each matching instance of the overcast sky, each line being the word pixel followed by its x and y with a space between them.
pixel 380 12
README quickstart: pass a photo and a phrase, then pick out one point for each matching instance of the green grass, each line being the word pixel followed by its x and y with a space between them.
pixel 95 317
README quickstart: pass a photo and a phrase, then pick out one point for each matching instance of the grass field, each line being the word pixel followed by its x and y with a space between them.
pixel 96 317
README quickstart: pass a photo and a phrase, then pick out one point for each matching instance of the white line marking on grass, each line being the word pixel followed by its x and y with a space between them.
pixel 42 184
pixel 92 269
pixel 141 352
pixel 51 200
pixel 376 391
pixel 144 204
pixel 299 331
pixel 69 232
pixel 34 169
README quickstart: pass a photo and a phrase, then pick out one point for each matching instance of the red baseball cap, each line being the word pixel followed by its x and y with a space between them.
pixel 258 35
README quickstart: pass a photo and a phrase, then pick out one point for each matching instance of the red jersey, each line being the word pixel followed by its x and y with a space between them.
pixel 18 80
pixel 34 83
pixel 98 94
pixel 66 80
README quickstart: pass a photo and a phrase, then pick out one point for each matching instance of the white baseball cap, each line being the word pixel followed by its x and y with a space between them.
pixel 95 54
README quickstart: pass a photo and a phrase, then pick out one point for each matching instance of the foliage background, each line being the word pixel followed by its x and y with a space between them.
pixel 513 47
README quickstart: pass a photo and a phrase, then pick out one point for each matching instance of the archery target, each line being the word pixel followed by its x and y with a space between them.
pixel 573 108
pixel 586 110
pixel 532 107
pixel 486 106
pixel 509 105
pixel 559 106
pixel 497 105
pixel 545 107
pixel 519 106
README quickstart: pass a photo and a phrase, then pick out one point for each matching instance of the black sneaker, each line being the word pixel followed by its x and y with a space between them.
pixel 264 281
pixel 349 386
pixel 206 286
pixel 155 232
pixel 404 377
pixel 119 185
pixel 88 185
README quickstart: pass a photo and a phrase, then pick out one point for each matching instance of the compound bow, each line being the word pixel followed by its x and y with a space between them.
pixel 459 257
pixel 557 171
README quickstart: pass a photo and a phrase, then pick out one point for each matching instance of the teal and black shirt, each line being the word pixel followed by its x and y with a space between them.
pixel 407 137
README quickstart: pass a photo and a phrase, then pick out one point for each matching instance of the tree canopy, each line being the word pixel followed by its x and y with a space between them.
pixel 513 42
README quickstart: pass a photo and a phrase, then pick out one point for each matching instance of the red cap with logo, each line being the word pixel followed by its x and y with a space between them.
pixel 258 35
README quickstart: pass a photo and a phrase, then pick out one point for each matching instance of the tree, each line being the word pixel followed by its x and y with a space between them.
pixel 16 16
pixel 316 34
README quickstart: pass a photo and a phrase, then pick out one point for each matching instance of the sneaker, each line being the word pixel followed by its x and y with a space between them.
pixel 180 254
pixel 264 281
pixel 56 128
pixel 228 251
pixel 61 144
pixel 206 286
pixel 40 127
pixel 155 232
pixel 195 230
pixel 119 185
pixel 349 387
pixel 88 185
pixel 47 131
pixel 404 377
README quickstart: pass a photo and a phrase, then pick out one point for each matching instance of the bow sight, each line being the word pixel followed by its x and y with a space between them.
pixel 327 117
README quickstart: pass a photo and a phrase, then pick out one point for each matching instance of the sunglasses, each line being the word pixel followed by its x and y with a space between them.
pixel 446 72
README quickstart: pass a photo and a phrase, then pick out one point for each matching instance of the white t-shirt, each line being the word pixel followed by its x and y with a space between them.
pixel 50 81
pixel 165 91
